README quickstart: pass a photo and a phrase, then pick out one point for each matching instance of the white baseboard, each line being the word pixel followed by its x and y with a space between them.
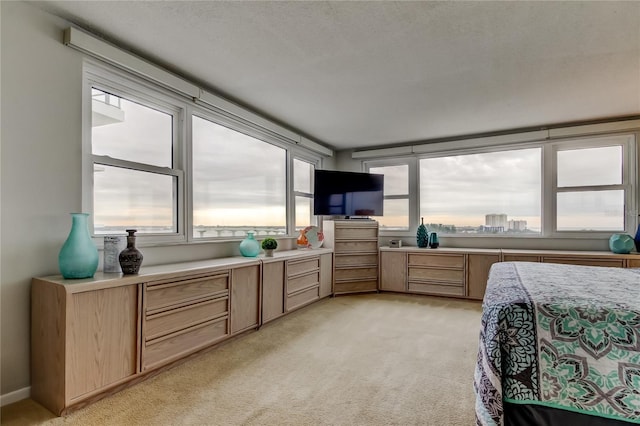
pixel 15 396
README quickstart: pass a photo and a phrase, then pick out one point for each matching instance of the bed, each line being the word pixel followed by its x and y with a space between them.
pixel 559 345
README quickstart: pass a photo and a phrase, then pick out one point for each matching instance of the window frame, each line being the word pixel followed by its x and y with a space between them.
pixel 487 150
pixel 239 127
pixel 414 202
pixel 629 173
pixel 549 190
pixel 182 108
pixel 315 163
pixel 138 91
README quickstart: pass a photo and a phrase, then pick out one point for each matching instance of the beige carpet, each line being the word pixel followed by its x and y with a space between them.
pixel 376 359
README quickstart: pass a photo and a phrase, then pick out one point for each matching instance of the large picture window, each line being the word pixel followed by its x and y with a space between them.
pixel 484 193
pixel 239 183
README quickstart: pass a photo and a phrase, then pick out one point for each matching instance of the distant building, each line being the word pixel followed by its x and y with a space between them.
pixel 516 225
pixel 495 222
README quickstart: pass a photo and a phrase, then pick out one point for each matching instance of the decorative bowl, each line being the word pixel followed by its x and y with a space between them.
pixel 310 237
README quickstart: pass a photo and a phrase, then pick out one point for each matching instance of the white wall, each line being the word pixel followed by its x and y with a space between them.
pixel 40 182
pixel 40 170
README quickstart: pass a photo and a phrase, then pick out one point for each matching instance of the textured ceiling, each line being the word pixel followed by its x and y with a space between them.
pixel 355 74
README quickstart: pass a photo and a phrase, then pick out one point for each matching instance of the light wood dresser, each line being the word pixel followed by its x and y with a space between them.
pixel 463 272
pixel 290 282
pixel 92 337
pixel 355 246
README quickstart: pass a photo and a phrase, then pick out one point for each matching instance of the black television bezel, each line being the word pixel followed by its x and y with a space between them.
pixel 344 177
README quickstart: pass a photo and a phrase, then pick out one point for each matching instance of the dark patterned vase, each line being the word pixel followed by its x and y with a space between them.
pixel 636 239
pixel 130 258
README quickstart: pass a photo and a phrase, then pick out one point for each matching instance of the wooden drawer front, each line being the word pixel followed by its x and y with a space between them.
pixel 435 288
pixel 164 295
pixel 301 266
pixel 174 346
pixel 614 263
pixel 356 260
pixel 303 281
pixel 355 273
pixel 437 260
pixel 520 258
pixel 168 322
pixel 356 233
pixel 356 247
pixel 633 263
pixel 355 286
pixel 302 298
pixel 431 274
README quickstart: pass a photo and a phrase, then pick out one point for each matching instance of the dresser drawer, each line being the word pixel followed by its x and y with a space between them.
pixel 174 346
pixel 159 296
pixel 437 260
pixel 355 273
pixel 168 322
pixel 302 298
pixel 355 286
pixel 356 247
pixel 301 266
pixel 303 281
pixel 520 258
pixel 613 263
pixel 356 260
pixel 356 233
pixel 436 288
pixel 434 274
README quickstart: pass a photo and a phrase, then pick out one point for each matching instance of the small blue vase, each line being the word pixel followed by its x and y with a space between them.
pixel 78 257
pixel 636 239
pixel 434 242
pixel 249 247
pixel 621 243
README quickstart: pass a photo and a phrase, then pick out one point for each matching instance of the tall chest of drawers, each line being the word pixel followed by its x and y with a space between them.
pixel 355 246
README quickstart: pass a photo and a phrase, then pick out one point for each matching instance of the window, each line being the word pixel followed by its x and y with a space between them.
pixel 135 182
pixel 570 188
pixel 180 170
pixel 239 183
pixel 396 197
pixel 303 193
pixel 483 193
pixel 590 187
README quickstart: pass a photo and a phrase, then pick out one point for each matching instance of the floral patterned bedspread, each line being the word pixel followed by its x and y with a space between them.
pixel 561 336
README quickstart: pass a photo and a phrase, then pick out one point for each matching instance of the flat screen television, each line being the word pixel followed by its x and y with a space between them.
pixel 348 193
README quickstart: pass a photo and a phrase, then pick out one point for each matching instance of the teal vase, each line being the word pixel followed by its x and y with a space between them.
pixel 249 247
pixel 434 242
pixel 78 257
pixel 621 243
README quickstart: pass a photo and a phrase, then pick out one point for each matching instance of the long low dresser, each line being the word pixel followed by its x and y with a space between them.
pixel 463 272
pixel 92 337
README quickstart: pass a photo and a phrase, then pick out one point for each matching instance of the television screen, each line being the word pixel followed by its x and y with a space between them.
pixel 348 193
